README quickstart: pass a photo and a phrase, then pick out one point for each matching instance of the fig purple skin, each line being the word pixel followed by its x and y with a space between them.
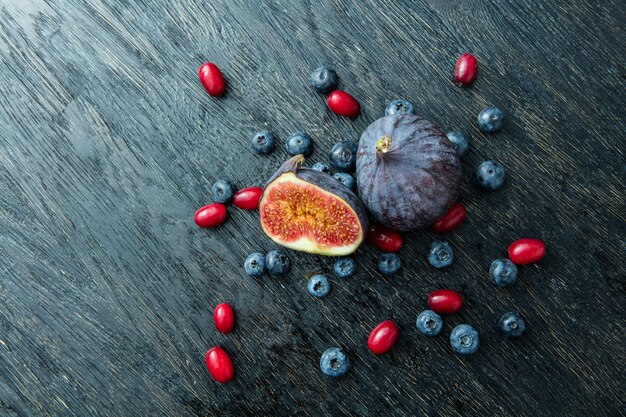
pixel 408 173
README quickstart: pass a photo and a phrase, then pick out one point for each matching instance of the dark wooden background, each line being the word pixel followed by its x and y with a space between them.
pixel 108 144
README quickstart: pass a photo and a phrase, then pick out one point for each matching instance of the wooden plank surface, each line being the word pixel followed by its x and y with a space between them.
pixel 108 145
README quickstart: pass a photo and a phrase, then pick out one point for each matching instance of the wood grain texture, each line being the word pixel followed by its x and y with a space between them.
pixel 109 143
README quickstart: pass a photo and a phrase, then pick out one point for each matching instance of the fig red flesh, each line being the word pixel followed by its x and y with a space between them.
pixel 343 104
pixel 384 238
pixel 248 198
pixel 383 337
pixel 219 364
pixel 211 215
pixel 445 301
pixel 224 318
pixel 212 79
pixel 527 251
pixel 451 220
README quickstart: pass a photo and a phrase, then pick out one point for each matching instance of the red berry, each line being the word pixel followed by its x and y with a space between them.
pixel 466 70
pixel 451 220
pixel 212 79
pixel 445 301
pixel 248 198
pixel 527 251
pixel 383 337
pixel 224 318
pixel 384 239
pixel 219 364
pixel 210 215
pixel 343 104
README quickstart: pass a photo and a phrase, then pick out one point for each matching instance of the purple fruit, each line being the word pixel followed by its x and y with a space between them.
pixel 408 173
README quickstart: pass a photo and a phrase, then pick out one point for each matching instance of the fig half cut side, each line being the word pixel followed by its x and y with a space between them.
pixel 310 211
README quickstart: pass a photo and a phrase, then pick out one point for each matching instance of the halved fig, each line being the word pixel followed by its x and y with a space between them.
pixel 310 211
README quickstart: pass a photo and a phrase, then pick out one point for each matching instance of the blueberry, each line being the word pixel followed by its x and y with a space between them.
pixel 343 156
pixel 344 267
pixel 318 286
pixel 299 143
pixel 322 167
pixel 324 79
pixel 464 339
pixel 460 142
pixel 490 119
pixel 222 191
pixel 254 265
pixel 441 254
pixel 503 272
pixel 429 323
pixel 388 263
pixel 490 175
pixel 334 362
pixel 263 142
pixel 277 262
pixel 399 106
pixel 346 179
pixel 512 324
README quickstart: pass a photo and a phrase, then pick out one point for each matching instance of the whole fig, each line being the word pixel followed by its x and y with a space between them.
pixel 408 173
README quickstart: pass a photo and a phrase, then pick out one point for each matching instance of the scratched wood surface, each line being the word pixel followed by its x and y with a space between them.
pixel 108 144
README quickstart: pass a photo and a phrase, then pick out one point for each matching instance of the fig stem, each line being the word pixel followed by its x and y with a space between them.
pixel 290 165
pixel 383 144
pixel 298 160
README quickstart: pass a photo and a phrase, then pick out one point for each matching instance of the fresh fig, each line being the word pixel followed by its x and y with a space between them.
pixel 408 173
pixel 310 211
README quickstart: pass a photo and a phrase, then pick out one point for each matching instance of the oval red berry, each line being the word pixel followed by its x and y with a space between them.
pixel 210 215
pixel 343 104
pixel 219 364
pixel 224 318
pixel 383 337
pixel 248 198
pixel 384 239
pixel 451 220
pixel 212 79
pixel 466 70
pixel 445 301
pixel 527 251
